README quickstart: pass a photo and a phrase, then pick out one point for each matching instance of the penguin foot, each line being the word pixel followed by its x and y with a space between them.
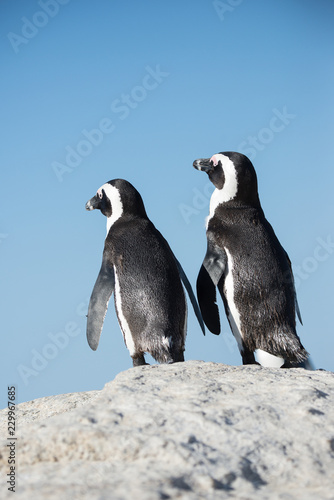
pixel 139 361
pixel 178 357
pixel 248 357
pixel 307 365
pixel 175 361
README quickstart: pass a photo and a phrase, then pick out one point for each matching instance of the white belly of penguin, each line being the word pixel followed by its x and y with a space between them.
pixel 185 317
pixel 233 313
pixel 122 320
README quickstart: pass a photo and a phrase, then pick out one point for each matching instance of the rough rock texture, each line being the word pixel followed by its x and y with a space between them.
pixel 41 409
pixel 188 430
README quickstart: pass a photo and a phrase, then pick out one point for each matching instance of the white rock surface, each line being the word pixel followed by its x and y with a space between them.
pixel 190 430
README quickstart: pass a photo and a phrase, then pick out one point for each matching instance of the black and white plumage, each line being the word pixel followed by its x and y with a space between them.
pixel 249 266
pixel 139 266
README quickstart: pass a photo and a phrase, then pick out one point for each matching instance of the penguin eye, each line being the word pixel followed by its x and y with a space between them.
pixel 100 195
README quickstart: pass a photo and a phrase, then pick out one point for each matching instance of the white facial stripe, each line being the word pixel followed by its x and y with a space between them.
pixel 230 188
pixel 116 203
pixel 268 360
pixel 234 316
pixel 122 320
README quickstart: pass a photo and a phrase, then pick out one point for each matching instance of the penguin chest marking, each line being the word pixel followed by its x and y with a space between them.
pixel 233 313
pixel 128 339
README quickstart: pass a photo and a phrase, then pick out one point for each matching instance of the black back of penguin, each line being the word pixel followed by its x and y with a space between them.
pixel 150 289
pixel 139 266
pixel 248 265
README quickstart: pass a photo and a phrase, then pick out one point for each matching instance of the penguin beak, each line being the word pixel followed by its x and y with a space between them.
pixel 203 164
pixel 93 203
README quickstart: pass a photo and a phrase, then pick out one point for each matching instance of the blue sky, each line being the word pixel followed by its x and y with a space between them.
pixel 93 91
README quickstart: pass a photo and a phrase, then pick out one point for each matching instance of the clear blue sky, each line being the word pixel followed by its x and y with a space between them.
pixel 165 83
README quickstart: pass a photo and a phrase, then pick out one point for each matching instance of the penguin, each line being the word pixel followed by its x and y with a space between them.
pixel 249 266
pixel 140 268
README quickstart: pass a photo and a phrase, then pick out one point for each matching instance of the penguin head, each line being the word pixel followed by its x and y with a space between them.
pixel 101 201
pixel 233 174
pixel 117 198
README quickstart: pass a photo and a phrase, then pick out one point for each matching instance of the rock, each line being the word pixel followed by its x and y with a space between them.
pixel 190 430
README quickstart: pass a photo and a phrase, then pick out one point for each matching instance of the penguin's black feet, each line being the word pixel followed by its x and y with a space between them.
pixel 248 357
pixel 307 365
pixel 139 361
pixel 179 356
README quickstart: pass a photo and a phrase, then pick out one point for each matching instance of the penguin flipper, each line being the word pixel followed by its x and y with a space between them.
pixel 206 294
pixel 98 304
pixel 294 290
pixel 209 276
pixel 298 310
pixel 191 294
